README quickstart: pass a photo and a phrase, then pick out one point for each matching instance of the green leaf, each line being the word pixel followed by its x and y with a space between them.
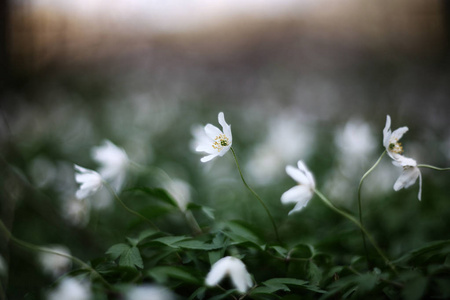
pixel 146 234
pixel 242 232
pixel 208 211
pixel 303 251
pixel 415 288
pixel 198 294
pixel 194 244
pixel 171 240
pixel 291 281
pixel 116 250
pixel 161 274
pixel 433 248
pixel 131 258
pixel 314 273
pixel 158 193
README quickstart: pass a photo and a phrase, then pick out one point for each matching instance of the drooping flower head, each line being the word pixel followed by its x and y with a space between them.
pixel 303 192
pixel 149 292
pixel 215 142
pixel 113 163
pixel 71 289
pixel 391 139
pixel 233 267
pixel 89 180
pixel 409 174
pixel 54 264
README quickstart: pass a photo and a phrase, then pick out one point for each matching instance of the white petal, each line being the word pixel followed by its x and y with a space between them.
pixel 407 178
pixel 398 133
pixel 299 193
pixel 298 207
pixel 240 277
pixel 224 150
pixel 225 127
pixel 206 148
pixel 212 131
pixel 420 187
pixel 208 158
pixel 302 167
pixel 387 132
pixel 297 175
pixel 217 272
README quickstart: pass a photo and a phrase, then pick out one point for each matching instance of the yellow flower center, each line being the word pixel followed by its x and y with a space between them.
pixel 396 147
pixel 220 142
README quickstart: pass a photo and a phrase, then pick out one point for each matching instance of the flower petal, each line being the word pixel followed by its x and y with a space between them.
pixel 387 132
pixel 398 133
pixel 226 128
pixel 297 175
pixel 298 193
pixel 212 131
pixel 208 157
pixel 407 178
pixel 302 167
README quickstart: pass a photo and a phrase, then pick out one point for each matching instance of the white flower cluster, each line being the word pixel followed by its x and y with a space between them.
pixel 394 149
pixel 113 163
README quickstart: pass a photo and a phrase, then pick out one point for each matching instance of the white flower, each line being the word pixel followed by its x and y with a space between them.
pixel 113 163
pixel 214 141
pixel 390 139
pixel 232 267
pixel 301 193
pixel 76 212
pixel 89 180
pixel 409 174
pixel 54 264
pixel 70 289
pixel 149 292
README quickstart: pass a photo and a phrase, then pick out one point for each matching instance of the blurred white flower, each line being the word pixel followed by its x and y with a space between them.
pixel 356 144
pixel 70 289
pixel 180 191
pixel 76 212
pixel 113 163
pixel 409 174
pixel 213 141
pixel 301 193
pixel 89 180
pixel 287 139
pixel 53 264
pixel 232 267
pixel 391 139
pixel 149 292
pixel 3 267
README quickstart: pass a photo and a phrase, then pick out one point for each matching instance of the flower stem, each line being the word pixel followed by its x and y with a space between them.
pixel 127 208
pixel 256 195
pixel 354 220
pixel 46 250
pixel 360 206
pixel 433 167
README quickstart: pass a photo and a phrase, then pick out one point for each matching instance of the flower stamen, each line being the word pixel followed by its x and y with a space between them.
pixel 396 147
pixel 220 142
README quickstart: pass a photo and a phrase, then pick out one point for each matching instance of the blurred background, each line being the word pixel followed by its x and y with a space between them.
pixel 311 80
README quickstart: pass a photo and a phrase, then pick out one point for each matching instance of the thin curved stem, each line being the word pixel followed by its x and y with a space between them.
pixel 256 195
pixel 127 208
pixel 433 167
pixel 46 250
pixel 360 206
pixel 363 229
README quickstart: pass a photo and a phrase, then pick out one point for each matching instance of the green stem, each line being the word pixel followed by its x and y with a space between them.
pixel 360 206
pixel 127 208
pixel 354 220
pixel 433 167
pixel 46 250
pixel 256 195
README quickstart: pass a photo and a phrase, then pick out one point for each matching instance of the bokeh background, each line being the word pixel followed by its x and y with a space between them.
pixel 310 80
